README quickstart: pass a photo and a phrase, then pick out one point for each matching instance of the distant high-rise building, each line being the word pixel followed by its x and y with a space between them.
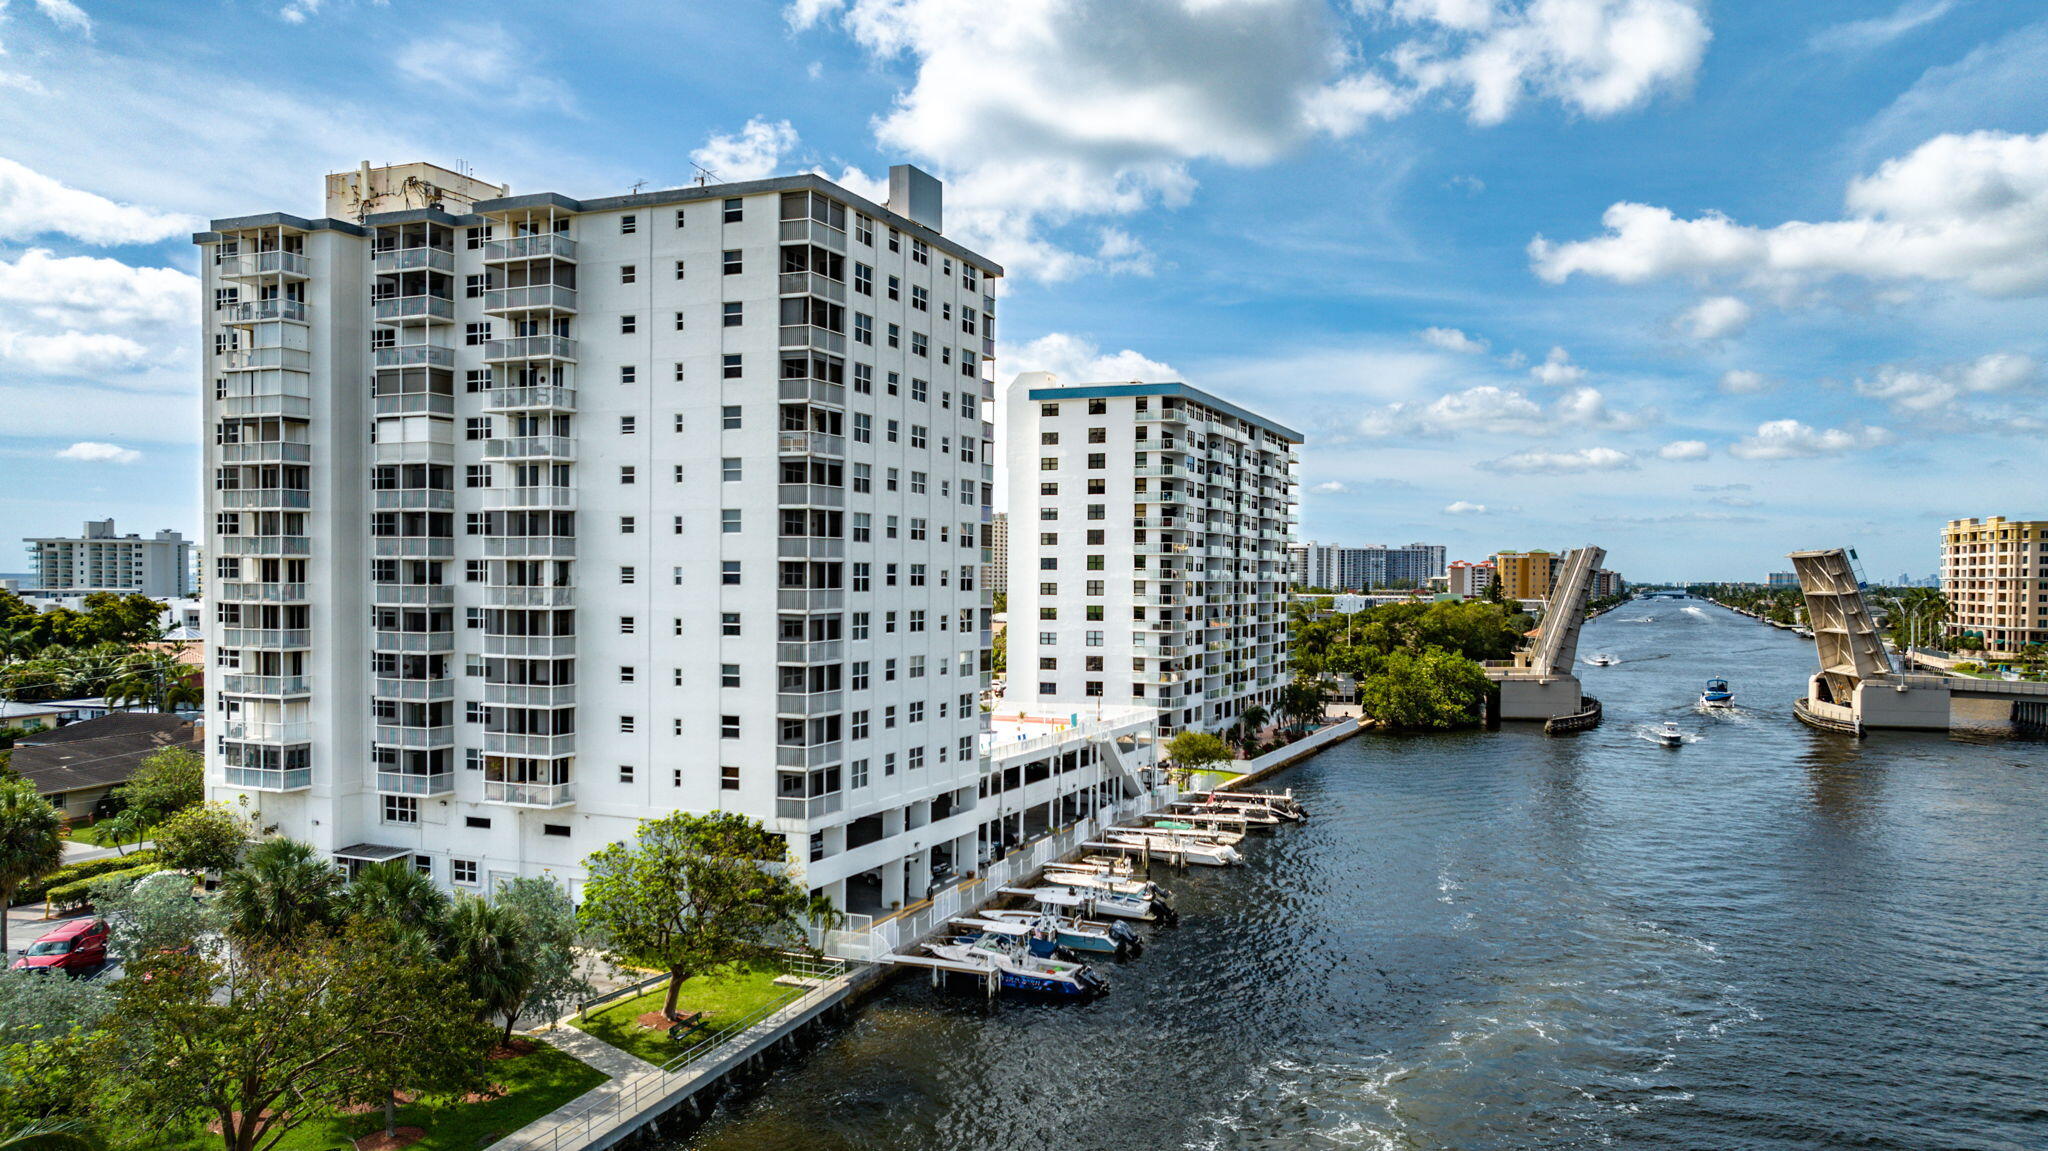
pixel 533 517
pixel 1994 574
pixel 1469 579
pixel 1313 565
pixel 100 560
pixel 1341 568
pixel 1783 579
pixel 1156 570
pixel 1526 575
pixel 998 573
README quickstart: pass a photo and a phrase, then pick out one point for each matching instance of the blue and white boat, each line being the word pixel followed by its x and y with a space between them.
pixel 1716 694
pixel 1007 958
pixel 1100 937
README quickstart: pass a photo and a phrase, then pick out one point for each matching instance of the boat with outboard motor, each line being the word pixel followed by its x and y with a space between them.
pixel 1102 937
pixel 1006 957
pixel 1179 848
pixel 1602 659
pixel 1282 804
pixel 1670 735
pixel 1092 902
pixel 1716 693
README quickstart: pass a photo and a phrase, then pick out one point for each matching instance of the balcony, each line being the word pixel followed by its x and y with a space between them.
pixel 506 499
pixel 264 546
pixel 530 547
pixel 268 637
pixel 529 597
pixel 818 651
pixel 529 746
pixel 268 401
pixel 248 591
pixel 265 311
pixel 411 499
pixel 413 309
pixel 266 359
pixel 531 448
pixel 530 694
pixel 260 265
pixel 551 246
pixel 812 232
pixel 265 731
pixel 814 703
pixel 809 444
pixel 810 599
pixel 811 336
pixel 264 499
pixel 412 737
pixel 530 646
pixel 814 391
pixel 530 399
pixel 413 356
pixel 266 686
pixel 540 795
pixel 811 284
pixel 810 495
pixel 810 547
pixel 270 779
pixel 267 452
pixel 410 783
pixel 411 547
pixel 817 805
pixel 421 690
pixel 385 260
pixel 554 298
pixel 412 641
pixel 814 755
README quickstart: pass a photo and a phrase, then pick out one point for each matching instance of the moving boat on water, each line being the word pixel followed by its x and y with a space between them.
pixel 1602 659
pixel 1669 735
pixel 1716 694
pixel 1007 957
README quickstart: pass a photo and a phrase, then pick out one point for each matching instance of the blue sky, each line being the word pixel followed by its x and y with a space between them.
pixel 1703 283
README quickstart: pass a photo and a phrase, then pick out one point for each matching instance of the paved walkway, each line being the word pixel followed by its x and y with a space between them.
pixel 583 1045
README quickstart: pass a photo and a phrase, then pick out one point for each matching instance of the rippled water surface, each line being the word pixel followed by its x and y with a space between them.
pixel 1769 938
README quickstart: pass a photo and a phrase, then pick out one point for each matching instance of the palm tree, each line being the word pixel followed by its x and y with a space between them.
pixel 1252 720
pixel 47 1135
pixel 395 892
pixel 31 841
pixel 485 943
pixel 282 891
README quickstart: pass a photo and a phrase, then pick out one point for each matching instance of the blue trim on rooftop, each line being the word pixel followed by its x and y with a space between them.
pixel 1183 391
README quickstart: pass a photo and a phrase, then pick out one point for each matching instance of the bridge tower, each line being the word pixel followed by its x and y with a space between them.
pixel 1856 689
pixel 1540 683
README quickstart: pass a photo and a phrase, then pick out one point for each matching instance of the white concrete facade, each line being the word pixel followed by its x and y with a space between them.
pixel 533 517
pixel 1148 550
pixel 98 559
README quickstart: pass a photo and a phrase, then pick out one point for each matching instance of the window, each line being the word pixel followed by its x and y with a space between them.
pixel 895 285
pixel 863 474
pixel 863 280
pixel 728 675
pixel 864 230
pixel 558 830
pixel 474 334
pixel 863 329
pixel 920 299
pixel 680 326
pixel 628 374
pixel 625 773
pixel 728 623
pixel 731 364
pixel 731 415
pixel 401 809
pixel 735 313
pixel 679 217
pixel 863 431
pixel 728 779
pixel 476 476
pixel 857 773
pixel 462 871
pixel 729 469
pixel 729 571
pixel 735 210
pixel 629 273
pixel 858 673
pixel 627 724
pixel 920 344
pixel 626 625
pixel 627 575
pixel 626 524
pixel 628 675
pixel 628 225
pixel 728 727
pixel 858 723
pixel 729 520
pixel 628 424
pixel 864 379
pixel 732 262
pixel 895 335
pixel 626 473
pixel 679 266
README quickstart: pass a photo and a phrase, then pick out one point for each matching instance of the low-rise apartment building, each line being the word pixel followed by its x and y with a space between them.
pixel 101 560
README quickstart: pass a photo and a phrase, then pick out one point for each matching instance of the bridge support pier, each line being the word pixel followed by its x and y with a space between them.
pixel 1541 698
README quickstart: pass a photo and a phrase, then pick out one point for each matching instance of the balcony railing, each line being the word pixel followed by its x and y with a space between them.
pixel 817 805
pixel 412 260
pixel 389 735
pixel 412 689
pixel 811 336
pixel 552 399
pixel 254 265
pixel 266 402
pixel 544 795
pixel 527 348
pixel 412 641
pixel 266 359
pixel 818 651
pixel 278 686
pixel 810 599
pixel 267 452
pixel 814 755
pixel 537 746
pixel 530 547
pixel 265 499
pixel 810 444
pixel 249 591
pixel 813 232
pixel 264 311
pixel 811 283
pixel 270 779
pixel 266 731
pixel 530 646
pixel 271 637
pixel 814 391
pixel 530 298
pixel 531 448
pixel 809 547
pixel 530 694
pixel 409 783
pixel 411 499
pixel 413 356
pixel 262 546
pixel 413 403
pixel 549 246
pixel 810 495
pixel 814 703
pixel 511 498
pixel 423 307
pixel 411 547
pixel 529 597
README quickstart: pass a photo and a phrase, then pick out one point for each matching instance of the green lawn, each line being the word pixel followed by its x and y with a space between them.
pixel 534 1085
pixel 726 997
pixel 100 835
pixel 1210 780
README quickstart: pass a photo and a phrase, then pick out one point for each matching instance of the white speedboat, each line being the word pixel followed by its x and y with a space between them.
pixel 1669 735
pixel 1062 874
pixel 1104 937
pixel 1178 847
pixel 1602 659
pixel 1009 959
pixel 1091 902
pixel 1184 831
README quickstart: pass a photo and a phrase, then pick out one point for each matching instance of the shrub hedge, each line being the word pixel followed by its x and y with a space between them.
pixel 79 892
pixel 36 891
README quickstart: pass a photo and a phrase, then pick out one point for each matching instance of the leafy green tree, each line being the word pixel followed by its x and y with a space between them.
pixel 207 838
pixel 395 892
pixel 548 936
pixel 1303 700
pixel 262 1041
pixel 111 617
pixel 1433 691
pixel 282 892
pixel 157 913
pixel 485 943
pixel 1250 722
pixel 1191 751
pixel 696 893
pixel 999 653
pixel 169 779
pixel 31 842
pixel 35 1007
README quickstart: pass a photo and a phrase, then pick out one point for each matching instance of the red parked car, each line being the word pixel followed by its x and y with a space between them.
pixel 75 948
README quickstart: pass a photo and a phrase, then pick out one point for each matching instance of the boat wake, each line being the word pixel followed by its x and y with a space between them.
pixel 1694 611
pixel 1656 735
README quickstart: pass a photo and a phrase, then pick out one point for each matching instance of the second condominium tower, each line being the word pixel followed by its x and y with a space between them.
pixel 534 516
pixel 1148 563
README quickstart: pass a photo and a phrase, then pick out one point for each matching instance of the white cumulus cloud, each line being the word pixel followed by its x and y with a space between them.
pixel 1557 368
pixel 1744 382
pixel 1330 488
pixel 72 353
pixel 1714 318
pixel 32 204
pixel 1466 508
pixel 92 452
pixel 1453 340
pixel 752 153
pixel 478 63
pixel 1908 389
pixel 1965 209
pixel 1076 360
pixel 1791 439
pixel 1577 460
pixel 102 290
pixel 1683 450
pixel 1487 409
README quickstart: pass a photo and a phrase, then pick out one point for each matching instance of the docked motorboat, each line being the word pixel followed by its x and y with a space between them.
pixel 1670 735
pixel 1179 848
pixel 1603 659
pixel 1282 804
pixel 1007 958
pixel 1253 816
pixel 1102 937
pixel 1716 694
pixel 1183 831
pixel 1092 902
pixel 1125 884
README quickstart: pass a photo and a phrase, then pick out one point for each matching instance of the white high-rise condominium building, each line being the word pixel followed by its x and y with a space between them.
pixel 1149 525
pixel 531 517
pixel 100 560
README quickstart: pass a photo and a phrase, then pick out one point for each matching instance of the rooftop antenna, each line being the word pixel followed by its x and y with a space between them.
pixel 639 184
pixel 704 175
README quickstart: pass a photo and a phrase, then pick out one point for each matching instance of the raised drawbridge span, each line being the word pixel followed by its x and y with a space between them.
pixel 1856 688
pixel 1541 682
